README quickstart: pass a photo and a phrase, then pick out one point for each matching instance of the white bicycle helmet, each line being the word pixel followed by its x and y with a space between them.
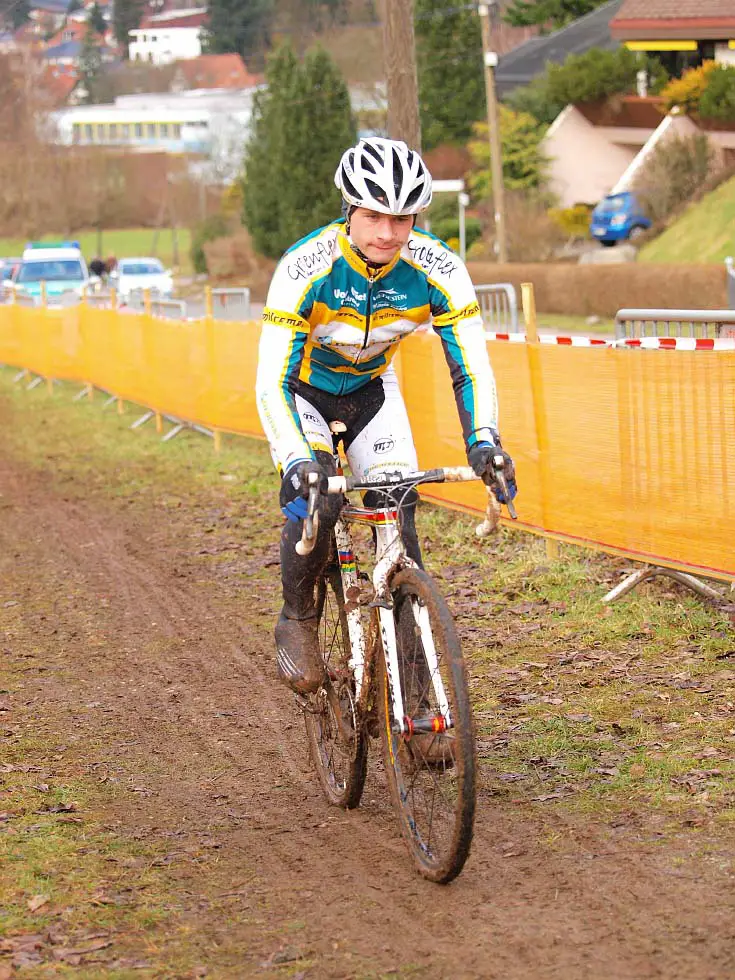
pixel 384 175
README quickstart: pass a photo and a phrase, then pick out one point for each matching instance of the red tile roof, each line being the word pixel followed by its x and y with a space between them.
pixel 56 83
pixel 217 71
pixel 163 23
pixel 694 20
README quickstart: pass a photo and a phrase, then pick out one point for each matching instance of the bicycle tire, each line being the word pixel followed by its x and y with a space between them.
pixel 338 750
pixel 432 784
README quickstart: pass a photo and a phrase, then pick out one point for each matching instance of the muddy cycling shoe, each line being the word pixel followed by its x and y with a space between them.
pixel 298 659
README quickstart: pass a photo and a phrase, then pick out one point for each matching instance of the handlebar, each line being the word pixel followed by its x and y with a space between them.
pixel 447 474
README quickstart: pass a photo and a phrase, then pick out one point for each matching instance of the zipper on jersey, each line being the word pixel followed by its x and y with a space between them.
pixel 368 313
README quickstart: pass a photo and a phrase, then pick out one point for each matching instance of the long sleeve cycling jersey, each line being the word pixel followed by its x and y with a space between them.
pixel 334 323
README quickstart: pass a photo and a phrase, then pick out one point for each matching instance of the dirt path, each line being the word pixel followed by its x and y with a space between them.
pixel 159 674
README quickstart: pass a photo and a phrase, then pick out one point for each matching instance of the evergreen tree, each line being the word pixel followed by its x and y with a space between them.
pixel 302 123
pixel 96 20
pixel 90 64
pixel 556 13
pixel 450 72
pixel 14 13
pixel 240 26
pixel 127 17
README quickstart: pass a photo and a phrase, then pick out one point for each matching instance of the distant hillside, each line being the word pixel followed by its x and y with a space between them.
pixel 704 233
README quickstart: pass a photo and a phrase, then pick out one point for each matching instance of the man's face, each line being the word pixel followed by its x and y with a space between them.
pixel 379 236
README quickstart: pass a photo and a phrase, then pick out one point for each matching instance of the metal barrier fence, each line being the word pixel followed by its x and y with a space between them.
pixel 712 324
pixel 498 306
pixel 231 303
pixel 172 309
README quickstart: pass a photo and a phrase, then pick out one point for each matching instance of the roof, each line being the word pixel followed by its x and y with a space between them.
pixel 69 49
pixel 674 19
pixel 175 18
pixel 525 62
pixel 57 82
pixel 216 71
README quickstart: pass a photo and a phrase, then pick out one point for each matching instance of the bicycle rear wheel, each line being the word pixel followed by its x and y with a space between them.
pixel 337 739
pixel 431 774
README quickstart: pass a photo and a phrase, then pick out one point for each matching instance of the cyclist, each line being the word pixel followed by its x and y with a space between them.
pixel 338 305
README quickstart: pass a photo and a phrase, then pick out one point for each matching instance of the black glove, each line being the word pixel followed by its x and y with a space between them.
pixel 295 487
pixel 481 458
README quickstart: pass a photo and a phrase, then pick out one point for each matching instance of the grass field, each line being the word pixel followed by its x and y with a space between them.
pixel 121 242
pixel 704 233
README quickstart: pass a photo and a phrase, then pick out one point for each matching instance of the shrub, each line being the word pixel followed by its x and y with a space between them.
pixel 213 227
pixel 575 221
pixel 674 172
pixel 599 73
pixel 531 235
pixel 687 91
pixel 718 98
pixel 444 219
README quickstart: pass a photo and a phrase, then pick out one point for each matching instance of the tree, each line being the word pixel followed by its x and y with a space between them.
pixel 127 17
pixel 718 98
pixel 90 65
pixel 524 164
pixel 556 13
pixel 240 26
pixel 14 13
pixel 302 122
pixel 96 20
pixel 599 73
pixel 449 62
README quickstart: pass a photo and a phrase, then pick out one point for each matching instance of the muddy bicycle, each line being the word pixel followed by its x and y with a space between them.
pixel 394 669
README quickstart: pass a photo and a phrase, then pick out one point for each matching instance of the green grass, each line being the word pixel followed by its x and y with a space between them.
pixel 119 242
pixel 704 233
pixel 565 325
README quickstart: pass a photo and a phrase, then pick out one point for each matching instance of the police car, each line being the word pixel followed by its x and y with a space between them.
pixel 57 268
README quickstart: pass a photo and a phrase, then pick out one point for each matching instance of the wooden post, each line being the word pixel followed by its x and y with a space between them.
pixel 528 300
pixel 400 68
pixel 208 302
pixel 217 440
pixel 490 58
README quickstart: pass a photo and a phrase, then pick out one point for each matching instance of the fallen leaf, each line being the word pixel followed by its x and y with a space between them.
pixel 37 901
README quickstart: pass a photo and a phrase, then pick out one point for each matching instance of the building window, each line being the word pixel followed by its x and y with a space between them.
pixel 176 131
pixel 153 38
pixel 76 133
pixel 139 131
pixel 125 131
pixel 163 131
pixel 88 133
pixel 150 131
pixel 112 131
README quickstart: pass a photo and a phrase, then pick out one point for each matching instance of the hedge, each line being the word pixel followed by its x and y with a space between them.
pixel 602 290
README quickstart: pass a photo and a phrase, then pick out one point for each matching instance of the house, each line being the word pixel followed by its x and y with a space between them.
pixel 594 149
pixel 169 36
pixel 220 71
pixel 682 33
pixel 522 64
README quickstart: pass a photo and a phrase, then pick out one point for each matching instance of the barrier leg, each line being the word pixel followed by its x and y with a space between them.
pixel 109 401
pixel 86 392
pixel 35 383
pixel 650 571
pixel 20 376
pixel 142 420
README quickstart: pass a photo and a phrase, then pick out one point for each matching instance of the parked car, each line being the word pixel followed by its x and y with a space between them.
pixel 7 268
pixel 138 274
pixel 619 217
pixel 59 268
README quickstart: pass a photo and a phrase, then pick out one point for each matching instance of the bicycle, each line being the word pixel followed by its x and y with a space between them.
pixel 394 668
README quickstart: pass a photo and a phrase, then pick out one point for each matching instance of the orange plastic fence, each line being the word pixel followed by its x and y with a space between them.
pixel 629 451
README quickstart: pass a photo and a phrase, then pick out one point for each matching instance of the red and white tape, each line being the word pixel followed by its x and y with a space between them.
pixel 545 338
pixel 679 343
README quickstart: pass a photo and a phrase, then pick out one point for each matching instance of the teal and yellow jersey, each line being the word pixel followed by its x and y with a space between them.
pixel 333 322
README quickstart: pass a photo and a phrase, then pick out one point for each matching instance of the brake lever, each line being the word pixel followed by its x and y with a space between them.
pixel 311 522
pixel 499 467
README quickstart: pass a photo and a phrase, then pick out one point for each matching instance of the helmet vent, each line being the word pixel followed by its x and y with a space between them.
pixel 376 191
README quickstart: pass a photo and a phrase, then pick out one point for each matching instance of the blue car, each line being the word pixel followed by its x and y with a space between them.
pixel 617 218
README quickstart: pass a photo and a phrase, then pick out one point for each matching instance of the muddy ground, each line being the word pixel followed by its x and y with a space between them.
pixel 152 667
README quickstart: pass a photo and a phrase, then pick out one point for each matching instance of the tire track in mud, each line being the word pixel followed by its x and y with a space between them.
pixel 186 669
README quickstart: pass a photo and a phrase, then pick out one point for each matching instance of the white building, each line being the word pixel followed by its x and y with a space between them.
pixel 171 36
pixel 210 123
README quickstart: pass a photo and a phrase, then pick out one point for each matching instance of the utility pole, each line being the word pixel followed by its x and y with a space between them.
pixel 400 68
pixel 490 59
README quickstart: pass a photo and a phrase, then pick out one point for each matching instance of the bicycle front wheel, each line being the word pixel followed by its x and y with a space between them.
pixel 431 765
pixel 337 738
